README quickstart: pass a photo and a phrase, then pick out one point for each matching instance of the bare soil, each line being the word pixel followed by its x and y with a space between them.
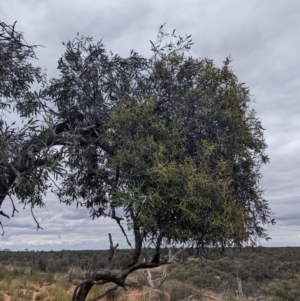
pixel 130 295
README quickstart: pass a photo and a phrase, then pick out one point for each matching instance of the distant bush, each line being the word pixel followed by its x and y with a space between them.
pixel 288 290
pixel 264 271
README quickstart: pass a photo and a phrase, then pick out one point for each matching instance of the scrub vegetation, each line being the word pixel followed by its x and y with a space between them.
pixel 266 274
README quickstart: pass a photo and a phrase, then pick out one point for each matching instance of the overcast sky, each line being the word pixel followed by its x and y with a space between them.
pixel 262 38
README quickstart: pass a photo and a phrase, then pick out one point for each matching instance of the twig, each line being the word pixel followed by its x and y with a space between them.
pixel 54 183
pixel 37 223
pixel 2 229
pixel 4 214
pixel 118 220
pixel 14 208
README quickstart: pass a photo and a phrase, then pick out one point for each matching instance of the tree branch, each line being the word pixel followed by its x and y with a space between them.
pixel 138 240
pixel 2 228
pixel 13 204
pixel 111 251
pixel 4 214
pixel 36 144
pixel 159 281
pixel 118 220
pixel 37 223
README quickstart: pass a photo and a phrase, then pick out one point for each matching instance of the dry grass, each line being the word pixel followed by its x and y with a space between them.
pixel 59 292
pixel 17 285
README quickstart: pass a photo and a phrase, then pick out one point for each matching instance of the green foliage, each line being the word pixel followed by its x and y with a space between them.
pixel 175 143
pixel 25 161
pixel 17 73
pixel 168 140
pixel 261 271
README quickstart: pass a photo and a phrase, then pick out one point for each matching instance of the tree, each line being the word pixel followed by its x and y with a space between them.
pixel 166 146
pixel 20 158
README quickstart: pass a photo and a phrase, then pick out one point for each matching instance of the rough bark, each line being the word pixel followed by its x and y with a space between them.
pixel 104 276
pixel 116 276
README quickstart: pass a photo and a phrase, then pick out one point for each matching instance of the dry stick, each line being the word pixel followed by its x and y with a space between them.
pixel 123 231
pixel 112 249
pixel 37 223
pixel 240 291
pixel 159 281
pixel 13 204
pixel 113 211
pixel 118 220
pixel 4 214
pixel 2 228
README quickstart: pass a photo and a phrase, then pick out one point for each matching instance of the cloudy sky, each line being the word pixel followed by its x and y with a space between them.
pixel 263 39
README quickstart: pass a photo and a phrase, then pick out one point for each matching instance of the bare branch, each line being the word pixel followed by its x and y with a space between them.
pixel 4 214
pixel 112 250
pixel 37 223
pixel 2 228
pixel 13 204
pixel 159 281
pixel 49 177
pixel 118 220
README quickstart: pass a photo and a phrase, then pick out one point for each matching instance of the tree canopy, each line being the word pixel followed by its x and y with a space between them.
pixel 167 146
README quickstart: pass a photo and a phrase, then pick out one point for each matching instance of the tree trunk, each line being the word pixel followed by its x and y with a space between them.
pixel 116 276
pixel 83 292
